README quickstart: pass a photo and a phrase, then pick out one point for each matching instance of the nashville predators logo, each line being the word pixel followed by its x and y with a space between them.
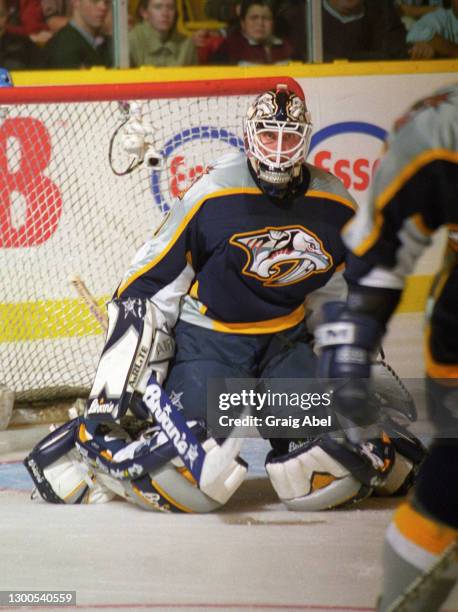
pixel 280 256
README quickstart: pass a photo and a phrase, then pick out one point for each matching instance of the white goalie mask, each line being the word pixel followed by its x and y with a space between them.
pixel 278 130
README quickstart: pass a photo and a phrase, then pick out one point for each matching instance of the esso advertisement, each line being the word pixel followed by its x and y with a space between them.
pixel 32 196
pixel 349 150
pixel 186 156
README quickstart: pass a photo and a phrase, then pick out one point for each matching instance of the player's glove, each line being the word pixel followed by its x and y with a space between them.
pixel 137 139
pixel 346 342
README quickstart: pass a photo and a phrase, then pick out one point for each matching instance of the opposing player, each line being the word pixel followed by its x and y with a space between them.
pixel 414 193
pixel 218 292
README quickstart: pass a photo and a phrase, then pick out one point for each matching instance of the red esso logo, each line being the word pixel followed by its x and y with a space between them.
pixel 354 173
pixel 349 150
pixel 181 175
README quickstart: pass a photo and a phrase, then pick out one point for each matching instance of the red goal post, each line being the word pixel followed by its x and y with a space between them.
pixel 63 212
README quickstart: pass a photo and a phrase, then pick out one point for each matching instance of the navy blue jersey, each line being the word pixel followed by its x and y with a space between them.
pixel 230 258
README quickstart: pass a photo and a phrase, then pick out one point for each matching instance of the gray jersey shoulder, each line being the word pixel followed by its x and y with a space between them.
pixel 429 128
pixel 323 181
pixel 229 172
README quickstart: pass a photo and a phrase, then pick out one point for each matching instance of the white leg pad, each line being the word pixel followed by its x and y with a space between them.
pixel 69 477
pixel 312 481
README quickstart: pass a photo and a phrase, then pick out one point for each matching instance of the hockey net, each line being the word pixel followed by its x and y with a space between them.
pixel 64 213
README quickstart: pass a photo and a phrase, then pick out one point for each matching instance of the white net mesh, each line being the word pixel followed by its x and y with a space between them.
pixel 64 213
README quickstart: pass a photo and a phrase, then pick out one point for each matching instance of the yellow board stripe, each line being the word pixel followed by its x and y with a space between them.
pixel 146 74
pixel 48 319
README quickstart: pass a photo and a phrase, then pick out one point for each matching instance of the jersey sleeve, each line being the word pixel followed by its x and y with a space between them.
pixel 335 290
pixel 163 270
pixel 412 195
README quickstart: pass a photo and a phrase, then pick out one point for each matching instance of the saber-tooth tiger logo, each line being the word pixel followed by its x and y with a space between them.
pixel 281 256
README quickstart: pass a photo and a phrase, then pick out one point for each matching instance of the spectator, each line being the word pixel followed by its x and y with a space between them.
pixel 291 19
pixel 80 44
pixel 156 41
pixel 254 41
pixel 222 10
pixel 435 34
pixel 411 10
pixel 16 52
pixel 25 18
pixel 57 13
pixel 362 30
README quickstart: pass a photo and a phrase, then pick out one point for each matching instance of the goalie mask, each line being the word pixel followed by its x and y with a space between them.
pixel 278 130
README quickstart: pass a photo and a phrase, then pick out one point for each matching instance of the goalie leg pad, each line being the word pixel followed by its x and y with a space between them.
pixel 59 474
pixel 174 489
pixel 327 473
pixel 170 489
pixel 148 472
pixel 409 456
pixel 309 479
pixel 137 344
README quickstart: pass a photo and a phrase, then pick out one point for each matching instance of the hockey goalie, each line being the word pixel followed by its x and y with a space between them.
pixel 228 287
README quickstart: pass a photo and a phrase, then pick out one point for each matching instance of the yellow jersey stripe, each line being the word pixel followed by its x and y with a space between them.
pixel 435 369
pixel 194 291
pixel 396 185
pixel 422 531
pixel 181 228
pixel 331 196
pixel 268 326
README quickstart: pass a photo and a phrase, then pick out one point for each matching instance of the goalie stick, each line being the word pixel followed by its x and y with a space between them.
pixel 90 302
pixel 205 465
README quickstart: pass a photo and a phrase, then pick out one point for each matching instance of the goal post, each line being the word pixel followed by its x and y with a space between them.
pixel 64 213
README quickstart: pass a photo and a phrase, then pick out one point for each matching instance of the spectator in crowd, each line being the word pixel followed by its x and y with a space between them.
pixel 291 22
pixel 435 34
pixel 57 13
pixel 25 18
pixel 222 10
pixel 411 10
pixel 254 42
pixel 155 41
pixel 80 43
pixel 362 30
pixel 16 52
